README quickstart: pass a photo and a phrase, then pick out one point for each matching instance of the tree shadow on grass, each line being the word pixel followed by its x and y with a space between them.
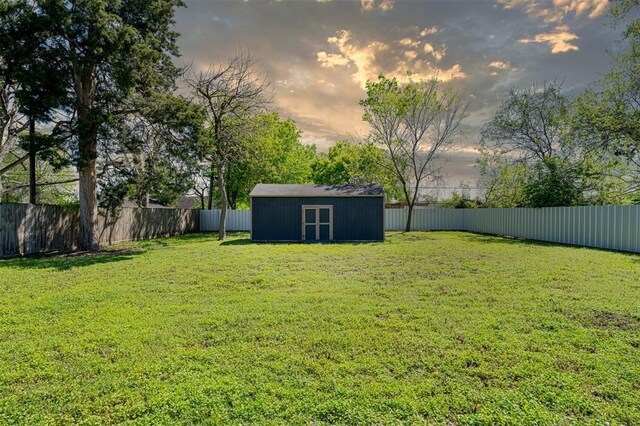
pixel 413 235
pixel 64 262
pixel 175 240
pixel 237 242
pixel 194 237
pixel 496 239
pixel 117 253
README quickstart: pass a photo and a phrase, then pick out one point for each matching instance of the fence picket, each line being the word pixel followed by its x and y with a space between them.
pixel 30 229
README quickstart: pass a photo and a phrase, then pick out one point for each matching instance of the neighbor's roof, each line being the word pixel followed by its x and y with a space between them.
pixel 282 190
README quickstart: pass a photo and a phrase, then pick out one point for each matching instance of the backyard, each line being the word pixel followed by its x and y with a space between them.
pixel 439 327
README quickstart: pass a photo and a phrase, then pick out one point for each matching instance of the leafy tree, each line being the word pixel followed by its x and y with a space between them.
pixel 531 124
pixel 593 180
pixel 355 163
pixel 461 199
pixel 415 123
pixel 272 153
pixel 30 63
pixel 606 180
pixel 110 56
pixel 501 181
pixel 56 185
pixel 151 153
pixel 533 154
pixel 554 183
pixel 608 113
pixel 230 94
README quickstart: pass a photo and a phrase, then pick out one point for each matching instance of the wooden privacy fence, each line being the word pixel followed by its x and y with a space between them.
pixel 29 229
pixel 610 227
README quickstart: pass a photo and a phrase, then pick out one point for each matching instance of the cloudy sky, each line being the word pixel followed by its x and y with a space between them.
pixel 320 53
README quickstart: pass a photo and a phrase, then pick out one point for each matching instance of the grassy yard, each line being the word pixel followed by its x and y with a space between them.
pixel 444 328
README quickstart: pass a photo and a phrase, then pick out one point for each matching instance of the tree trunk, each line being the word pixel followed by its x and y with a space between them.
pixel 142 193
pixel 88 205
pixel 407 228
pixel 33 196
pixel 232 194
pixel 88 127
pixel 143 201
pixel 211 186
pixel 222 233
pixel 232 197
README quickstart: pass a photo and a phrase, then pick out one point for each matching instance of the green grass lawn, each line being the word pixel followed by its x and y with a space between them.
pixel 444 328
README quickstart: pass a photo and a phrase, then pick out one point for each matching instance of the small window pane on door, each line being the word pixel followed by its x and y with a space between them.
pixel 310 232
pixel 324 233
pixel 324 215
pixel 310 215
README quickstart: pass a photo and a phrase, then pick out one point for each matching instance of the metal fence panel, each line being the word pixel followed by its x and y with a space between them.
pixel 609 227
pixel 425 219
pixel 395 219
pixel 237 220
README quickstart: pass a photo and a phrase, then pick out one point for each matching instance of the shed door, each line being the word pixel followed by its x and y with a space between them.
pixel 317 223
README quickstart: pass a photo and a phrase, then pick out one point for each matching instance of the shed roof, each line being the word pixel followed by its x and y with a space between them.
pixel 286 190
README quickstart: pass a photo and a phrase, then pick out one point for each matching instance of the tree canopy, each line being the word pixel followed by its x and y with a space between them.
pixel 110 57
pixel 415 124
pixel 348 162
pixel 536 152
pixel 273 153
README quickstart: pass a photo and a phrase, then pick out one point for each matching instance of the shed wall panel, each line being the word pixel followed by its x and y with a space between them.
pixel 354 219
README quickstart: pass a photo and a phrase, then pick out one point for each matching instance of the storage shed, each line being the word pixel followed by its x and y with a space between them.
pixel 314 213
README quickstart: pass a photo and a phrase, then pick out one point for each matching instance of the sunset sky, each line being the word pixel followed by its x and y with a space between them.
pixel 320 53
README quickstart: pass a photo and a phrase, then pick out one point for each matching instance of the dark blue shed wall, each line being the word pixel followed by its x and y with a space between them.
pixel 354 219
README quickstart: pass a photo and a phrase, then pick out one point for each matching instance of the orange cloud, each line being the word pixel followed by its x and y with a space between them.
pixel 437 54
pixel 361 58
pixel 559 40
pixel 365 61
pixel 500 65
pixel 369 5
pixel 554 11
pixel 428 31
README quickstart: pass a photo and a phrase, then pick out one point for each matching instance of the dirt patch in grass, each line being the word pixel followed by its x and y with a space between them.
pixel 606 320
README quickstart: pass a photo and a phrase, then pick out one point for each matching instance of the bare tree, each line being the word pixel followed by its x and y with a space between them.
pixel 531 124
pixel 415 123
pixel 229 93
